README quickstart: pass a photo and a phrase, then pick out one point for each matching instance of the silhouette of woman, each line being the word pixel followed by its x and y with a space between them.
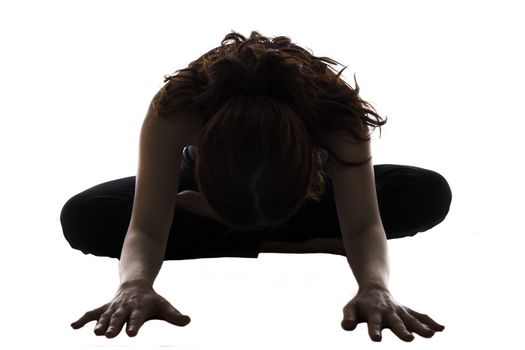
pixel 257 146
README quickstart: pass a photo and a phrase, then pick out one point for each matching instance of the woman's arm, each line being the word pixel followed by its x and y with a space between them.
pixel 358 211
pixel 364 240
pixel 162 141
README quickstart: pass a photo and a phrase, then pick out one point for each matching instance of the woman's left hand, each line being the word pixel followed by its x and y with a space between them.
pixel 377 307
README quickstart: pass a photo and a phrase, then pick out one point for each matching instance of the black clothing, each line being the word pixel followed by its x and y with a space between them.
pixel 96 220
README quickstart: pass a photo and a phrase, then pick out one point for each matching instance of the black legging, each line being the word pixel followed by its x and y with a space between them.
pixel 95 221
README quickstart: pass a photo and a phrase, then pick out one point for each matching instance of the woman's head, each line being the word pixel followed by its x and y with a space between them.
pixel 267 106
pixel 256 163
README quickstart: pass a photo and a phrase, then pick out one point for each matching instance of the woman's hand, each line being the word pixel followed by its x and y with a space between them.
pixel 180 202
pixel 134 303
pixel 376 306
pixel 196 203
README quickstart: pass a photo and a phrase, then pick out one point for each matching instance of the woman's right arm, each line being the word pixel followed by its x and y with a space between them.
pixel 162 140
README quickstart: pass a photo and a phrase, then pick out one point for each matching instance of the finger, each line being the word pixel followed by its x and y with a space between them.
pixel 88 317
pixel 103 321
pixel 374 326
pixel 173 316
pixel 136 320
pixel 398 327
pixel 117 322
pixel 349 319
pixel 426 320
pixel 414 324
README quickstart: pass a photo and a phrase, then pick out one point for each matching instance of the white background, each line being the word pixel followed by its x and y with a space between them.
pixel 76 78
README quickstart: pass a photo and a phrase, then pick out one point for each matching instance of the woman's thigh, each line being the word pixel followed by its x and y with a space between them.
pixel 411 200
pixel 96 220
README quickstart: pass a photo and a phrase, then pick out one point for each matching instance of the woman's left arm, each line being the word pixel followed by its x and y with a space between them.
pixel 368 257
pixel 366 248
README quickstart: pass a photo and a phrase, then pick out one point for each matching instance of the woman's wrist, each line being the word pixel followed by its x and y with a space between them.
pixel 136 284
pixel 373 286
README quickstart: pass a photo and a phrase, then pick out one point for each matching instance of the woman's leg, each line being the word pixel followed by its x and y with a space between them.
pixel 411 200
pixel 96 220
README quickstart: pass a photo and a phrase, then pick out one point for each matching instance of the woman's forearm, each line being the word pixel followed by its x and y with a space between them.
pixel 143 254
pixel 141 257
pixel 367 254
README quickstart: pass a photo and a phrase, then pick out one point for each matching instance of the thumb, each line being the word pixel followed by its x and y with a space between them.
pixel 349 319
pixel 173 316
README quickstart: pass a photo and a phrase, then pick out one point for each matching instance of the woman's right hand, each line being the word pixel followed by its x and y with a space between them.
pixel 134 303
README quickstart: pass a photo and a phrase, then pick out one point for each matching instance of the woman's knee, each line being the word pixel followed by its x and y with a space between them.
pixel 426 203
pixel 92 226
pixel 74 218
pixel 71 219
pixel 442 194
pixel 438 197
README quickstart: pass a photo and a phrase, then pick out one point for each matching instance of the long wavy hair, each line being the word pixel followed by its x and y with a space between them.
pixel 267 105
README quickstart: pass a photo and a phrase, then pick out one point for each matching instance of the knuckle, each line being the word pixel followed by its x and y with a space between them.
pixel 135 318
pixel 426 334
pixel 379 310
pixel 404 312
pixel 133 324
pixel 427 329
pixel 91 313
pixel 377 307
pixel 118 314
pixel 390 308
pixel 110 310
pixel 107 315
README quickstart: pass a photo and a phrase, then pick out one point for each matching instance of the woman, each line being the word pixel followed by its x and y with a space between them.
pixel 256 147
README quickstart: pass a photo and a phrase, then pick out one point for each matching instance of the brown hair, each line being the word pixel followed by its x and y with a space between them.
pixel 267 105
